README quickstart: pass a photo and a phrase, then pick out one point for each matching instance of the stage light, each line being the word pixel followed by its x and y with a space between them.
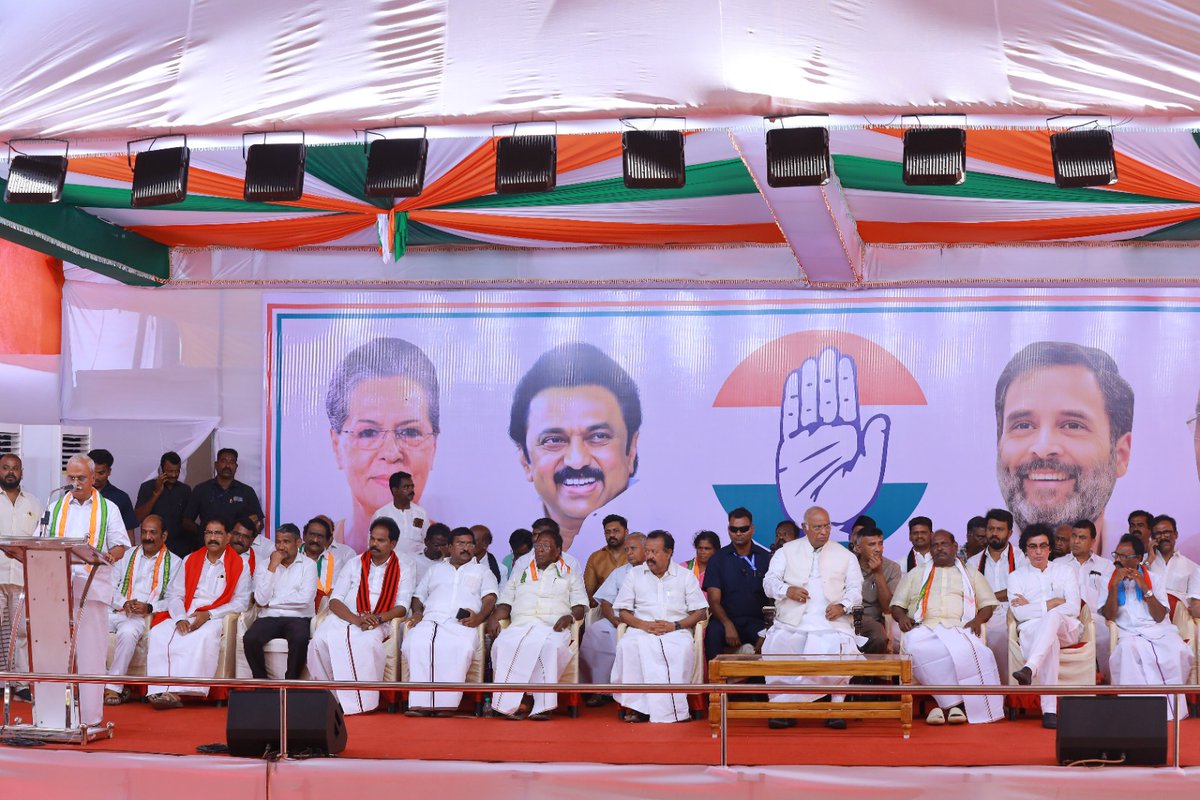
pixel 653 159
pixel 526 164
pixel 36 178
pixel 396 167
pixel 1083 158
pixel 274 172
pixel 160 177
pixel 935 156
pixel 797 157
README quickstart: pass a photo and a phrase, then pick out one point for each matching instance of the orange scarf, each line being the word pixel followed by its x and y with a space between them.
pixel 192 567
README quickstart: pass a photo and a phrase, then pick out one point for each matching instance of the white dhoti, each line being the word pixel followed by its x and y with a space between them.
pixel 997 640
pixel 439 652
pixel 1151 656
pixel 529 653
pixel 128 632
pixel 784 639
pixel 643 657
pixel 1103 646
pixel 191 655
pixel 1041 641
pixel 339 651
pixel 597 651
pixel 944 656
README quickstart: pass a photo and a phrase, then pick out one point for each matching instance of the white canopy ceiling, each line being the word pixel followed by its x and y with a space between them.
pixel 93 67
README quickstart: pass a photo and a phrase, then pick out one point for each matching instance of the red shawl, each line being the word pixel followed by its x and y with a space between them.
pixel 193 565
pixel 387 593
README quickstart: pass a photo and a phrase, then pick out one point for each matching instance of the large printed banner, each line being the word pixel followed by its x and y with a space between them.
pixel 670 408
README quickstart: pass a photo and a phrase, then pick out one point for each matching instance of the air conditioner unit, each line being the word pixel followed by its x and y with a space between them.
pixel 10 439
pixel 45 450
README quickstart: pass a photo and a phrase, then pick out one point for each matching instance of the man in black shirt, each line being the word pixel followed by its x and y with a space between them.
pixel 166 497
pixel 222 496
pixel 733 583
pixel 104 464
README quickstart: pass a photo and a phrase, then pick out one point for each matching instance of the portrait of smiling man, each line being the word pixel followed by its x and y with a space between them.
pixel 1064 420
pixel 384 417
pixel 576 416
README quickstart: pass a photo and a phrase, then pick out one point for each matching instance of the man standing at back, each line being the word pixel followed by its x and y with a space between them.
pixel 19 513
pixel 412 520
pixel 815 583
pixel 733 582
pixel 223 496
pixel 602 562
pixel 165 496
pixel 104 464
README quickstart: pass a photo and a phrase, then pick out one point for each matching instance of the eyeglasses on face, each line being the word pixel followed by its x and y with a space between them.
pixel 366 437
pixel 1037 546
pixel 818 528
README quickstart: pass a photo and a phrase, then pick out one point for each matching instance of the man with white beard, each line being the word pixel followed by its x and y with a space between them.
pixel 1064 417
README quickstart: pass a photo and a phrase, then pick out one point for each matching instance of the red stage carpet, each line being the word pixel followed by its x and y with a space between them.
pixel 597 736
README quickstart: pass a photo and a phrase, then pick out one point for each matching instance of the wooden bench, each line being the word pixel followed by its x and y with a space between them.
pixel 740 667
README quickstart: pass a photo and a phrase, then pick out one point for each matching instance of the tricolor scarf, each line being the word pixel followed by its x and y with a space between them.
pixel 1012 560
pixel 1141 596
pixel 162 567
pixel 387 592
pixel 927 582
pixel 193 565
pixel 324 577
pixel 96 535
pixel 532 570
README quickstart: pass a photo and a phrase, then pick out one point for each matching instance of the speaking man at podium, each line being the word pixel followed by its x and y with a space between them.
pixel 82 513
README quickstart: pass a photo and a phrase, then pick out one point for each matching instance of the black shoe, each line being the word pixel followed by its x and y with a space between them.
pixel 836 724
pixel 779 723
pixel 1023 676
pixel 1050 721
pixel 24 695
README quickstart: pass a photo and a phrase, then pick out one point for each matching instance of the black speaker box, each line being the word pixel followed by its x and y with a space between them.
pixel 1112 728
pixel 315 722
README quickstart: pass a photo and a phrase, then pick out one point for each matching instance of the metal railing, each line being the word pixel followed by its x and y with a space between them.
pixel 723 690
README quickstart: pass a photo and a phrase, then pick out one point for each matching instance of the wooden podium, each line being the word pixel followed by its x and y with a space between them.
pixel 54 614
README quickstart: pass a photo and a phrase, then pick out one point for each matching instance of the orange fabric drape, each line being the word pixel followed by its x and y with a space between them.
pixel 1031 230
pixel 280 234
pixel 592 232
pixel 31 304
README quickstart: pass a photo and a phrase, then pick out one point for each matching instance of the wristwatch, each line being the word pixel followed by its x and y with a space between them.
pixel 678 627
pixel 1148 593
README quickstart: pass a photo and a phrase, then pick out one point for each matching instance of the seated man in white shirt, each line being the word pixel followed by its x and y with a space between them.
pixel 455 597
pixel 814 583
pixel 542 603
pixel 1092 573
pixel 144 577
pixel 374 589
pixel 283 589
pixel 185 638
pixel 661 603
pixel 330 559
pixel 1173 573
pixel 437 547
pixel 599 646
pixel 1044 597
pixel 942 609
pixel 1149 649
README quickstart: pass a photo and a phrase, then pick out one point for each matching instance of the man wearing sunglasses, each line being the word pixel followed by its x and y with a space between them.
pixel 1044 598
pixel 734 583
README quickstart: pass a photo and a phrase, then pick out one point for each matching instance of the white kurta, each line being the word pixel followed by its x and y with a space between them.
pixel 91 639
pixel 830 575
pixel 413 523
pixel 1148 652
pixel 996 572
pixel 644 657
pixel 286 591
pixel 194 654
pixel 340 651
pixel 17 520
pixel 150 583
pixel 943 650
pixel 599 645
pixel 1093 575
pixel 1042 632
pixel 440 648
pixel 529 650
pixel 1179 577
